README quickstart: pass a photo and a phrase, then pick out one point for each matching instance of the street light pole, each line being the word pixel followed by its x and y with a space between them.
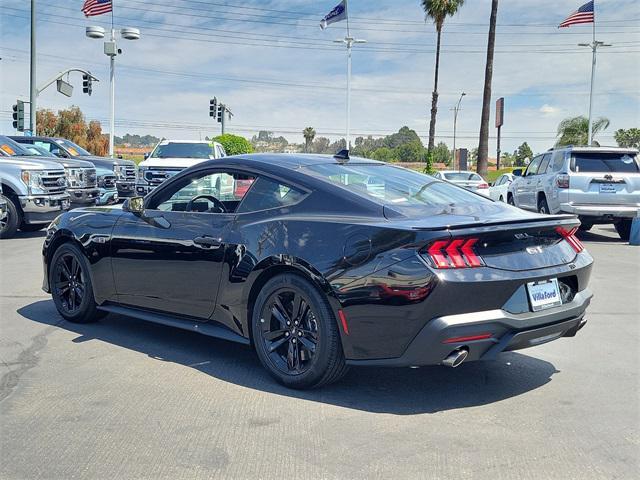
pixel 32 88
pixel 456 109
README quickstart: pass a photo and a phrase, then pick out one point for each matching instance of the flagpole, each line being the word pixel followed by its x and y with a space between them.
pixel 112 86
pixel 349 44
pixel 594 48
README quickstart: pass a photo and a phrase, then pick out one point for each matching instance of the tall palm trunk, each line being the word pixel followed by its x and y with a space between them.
pixel 483 146
pixel 434 97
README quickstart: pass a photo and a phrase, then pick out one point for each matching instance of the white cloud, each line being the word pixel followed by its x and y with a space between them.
pixel 548 109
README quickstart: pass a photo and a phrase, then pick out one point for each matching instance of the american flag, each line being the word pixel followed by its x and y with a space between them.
pixel 96 7
pixel 584 14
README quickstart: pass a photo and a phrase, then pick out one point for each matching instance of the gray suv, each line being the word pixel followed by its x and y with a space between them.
pixel 599 184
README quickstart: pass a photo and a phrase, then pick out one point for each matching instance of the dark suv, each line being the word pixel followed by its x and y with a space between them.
pixel 125 170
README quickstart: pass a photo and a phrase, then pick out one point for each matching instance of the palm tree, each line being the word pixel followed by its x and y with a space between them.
pixel 309 134
pixel 483 146
pixel 575 130
pixel 437 10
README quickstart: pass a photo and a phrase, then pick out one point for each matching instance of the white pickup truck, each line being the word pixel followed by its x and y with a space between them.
pixel 172 156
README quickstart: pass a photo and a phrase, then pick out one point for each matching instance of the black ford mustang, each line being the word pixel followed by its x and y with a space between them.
pixel 323 262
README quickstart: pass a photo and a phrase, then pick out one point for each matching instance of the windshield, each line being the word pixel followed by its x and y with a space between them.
pixel 13 148
pixel 462 176
pixel 74 149
pixel 184 150
pixel 604 162
pixel 394 185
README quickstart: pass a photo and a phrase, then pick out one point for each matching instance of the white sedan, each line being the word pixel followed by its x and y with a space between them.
pixel 465 179
pixel 498 191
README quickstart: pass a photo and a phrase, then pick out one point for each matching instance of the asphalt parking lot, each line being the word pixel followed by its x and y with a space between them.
pixel 126 399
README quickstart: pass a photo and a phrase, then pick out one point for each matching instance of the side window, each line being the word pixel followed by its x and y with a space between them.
pixel 544 164
pixel 221 152
pixel 533 167
pixel 557 161
pixel 45 145
pixel 267 193
pixel 204 192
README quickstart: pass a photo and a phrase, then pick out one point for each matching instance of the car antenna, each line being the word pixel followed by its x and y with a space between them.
pixel 342 156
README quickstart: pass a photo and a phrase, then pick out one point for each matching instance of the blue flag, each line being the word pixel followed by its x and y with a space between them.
pixel 338 14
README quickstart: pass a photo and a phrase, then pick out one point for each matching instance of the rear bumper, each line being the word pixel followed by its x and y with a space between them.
pixel 508 332
pixel 43 208
pixel 600 211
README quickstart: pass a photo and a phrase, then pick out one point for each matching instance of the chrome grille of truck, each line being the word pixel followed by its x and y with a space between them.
pixel 54 181
pixel 107 181
pixel 156 177
pixel 130 174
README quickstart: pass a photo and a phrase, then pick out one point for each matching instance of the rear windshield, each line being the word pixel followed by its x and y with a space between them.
pixel 184 150
pixel 604 163
pixel 462 176
pixel 396 186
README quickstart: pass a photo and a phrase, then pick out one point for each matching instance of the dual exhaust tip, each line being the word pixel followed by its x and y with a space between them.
pixel 455 358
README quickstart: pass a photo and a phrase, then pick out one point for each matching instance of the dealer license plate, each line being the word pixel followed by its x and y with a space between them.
pixel 607 188
pixel 544 294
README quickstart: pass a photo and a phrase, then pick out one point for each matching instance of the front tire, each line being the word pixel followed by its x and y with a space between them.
pixel 9 224
pixel 623 227
pixel 295 333
pixel 70 284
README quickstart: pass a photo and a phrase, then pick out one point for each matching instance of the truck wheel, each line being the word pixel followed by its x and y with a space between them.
pixel 623 227
pixel 32 227
pixel 542 206
pixel 9 224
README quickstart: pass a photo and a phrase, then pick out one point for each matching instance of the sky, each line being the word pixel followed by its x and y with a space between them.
pixel 274 67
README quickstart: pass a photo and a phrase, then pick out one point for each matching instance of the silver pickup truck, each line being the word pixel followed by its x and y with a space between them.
pixel 34 194
pixel 599 184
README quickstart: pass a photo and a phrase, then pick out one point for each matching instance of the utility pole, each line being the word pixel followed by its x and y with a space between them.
pixel 456 109
pixel 32 74
pixel 499 123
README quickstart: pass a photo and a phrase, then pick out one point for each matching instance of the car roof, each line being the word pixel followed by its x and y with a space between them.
pixel 297 160
pixel 457 171
pixel 167 141
pixel 596 149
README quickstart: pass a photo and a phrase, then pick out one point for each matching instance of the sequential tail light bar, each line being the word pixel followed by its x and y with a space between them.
pixel 570 237
pixel 454 253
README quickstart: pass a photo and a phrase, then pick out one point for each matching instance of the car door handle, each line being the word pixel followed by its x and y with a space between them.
pixel 207 241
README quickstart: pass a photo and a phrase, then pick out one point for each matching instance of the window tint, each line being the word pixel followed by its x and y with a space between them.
pixel 533 166
pixel 267 193
pixel 604 162
pixel 227 187
pixel 462 176
pixel 45 145
pixel 558 161
pixel 184 150
pixel 544 164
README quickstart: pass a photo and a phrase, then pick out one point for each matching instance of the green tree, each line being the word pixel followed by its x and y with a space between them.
pixel 438 11
pixel 410 152
pixel 522 152
pixel 383 154
pixel 483 145
pixel 309 134
pixel 405 135
pixel 441 154
pixel 575 130
pixel 234 144
pixel 629 138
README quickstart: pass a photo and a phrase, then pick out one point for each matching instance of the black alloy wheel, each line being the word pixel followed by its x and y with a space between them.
pixel 70 285
pixel 9 223
pixel 295 333
pixel 289 330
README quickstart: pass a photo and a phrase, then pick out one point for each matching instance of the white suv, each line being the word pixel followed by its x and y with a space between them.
pixel 599 184
pixel 172 156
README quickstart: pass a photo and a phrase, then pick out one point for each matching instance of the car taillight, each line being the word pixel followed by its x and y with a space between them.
pixel 454 253
pixel 562 181
pixel 570 237
pixel 483 185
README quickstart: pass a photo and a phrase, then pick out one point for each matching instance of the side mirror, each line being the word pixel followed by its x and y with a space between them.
pixel 146 155
pixel 134 205
pixel 517 172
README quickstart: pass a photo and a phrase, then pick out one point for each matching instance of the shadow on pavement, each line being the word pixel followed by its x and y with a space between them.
pixel 600 235
pixel 383 390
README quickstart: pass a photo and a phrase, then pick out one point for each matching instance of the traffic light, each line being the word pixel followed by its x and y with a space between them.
pixel 213 105
pixel 86 83
pixel 220 113
pixel 18 116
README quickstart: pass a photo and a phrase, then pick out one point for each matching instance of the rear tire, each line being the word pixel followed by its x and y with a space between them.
pixel 585 227
pixel 543 208
pixel 70 285
pixel 510 200
pixel 295 333
pixel 501 198
pixel 9 224
pixel 623 227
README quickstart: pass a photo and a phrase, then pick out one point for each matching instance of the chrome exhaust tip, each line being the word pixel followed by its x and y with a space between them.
pixel 455 358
